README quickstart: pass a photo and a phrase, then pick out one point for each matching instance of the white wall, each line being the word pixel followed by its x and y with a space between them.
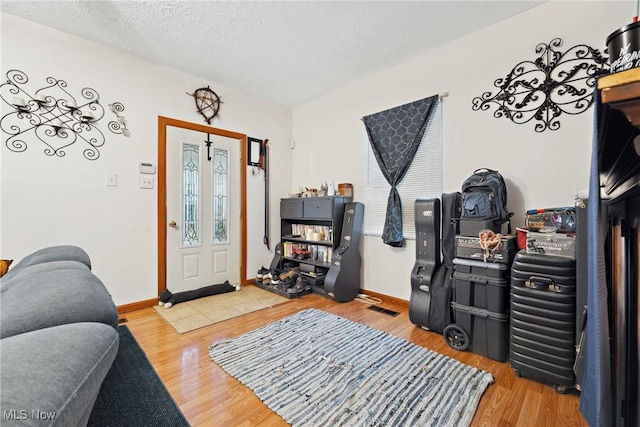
pixel 51 200
pixel 541 169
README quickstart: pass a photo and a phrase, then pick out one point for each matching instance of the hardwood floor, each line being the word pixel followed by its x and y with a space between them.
pixel 209 397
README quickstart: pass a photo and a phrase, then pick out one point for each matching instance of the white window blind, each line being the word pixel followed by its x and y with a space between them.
pixel 422 181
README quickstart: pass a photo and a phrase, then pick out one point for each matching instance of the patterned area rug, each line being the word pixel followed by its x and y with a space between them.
pixel 191 315
pixel 319 369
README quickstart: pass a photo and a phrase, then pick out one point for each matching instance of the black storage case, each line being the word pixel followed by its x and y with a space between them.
pixel 480 308
pixel 428 261
pixel 469 248
pixel 482 285
pixel 488 331
pixel 543 316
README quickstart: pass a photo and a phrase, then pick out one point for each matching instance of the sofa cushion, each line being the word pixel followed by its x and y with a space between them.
pixel 22 274
pixel 42 297
pixel 50 254
pixel 54 373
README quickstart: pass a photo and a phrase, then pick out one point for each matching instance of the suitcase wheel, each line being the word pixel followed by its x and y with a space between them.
pixel 517 373
pixel 456 337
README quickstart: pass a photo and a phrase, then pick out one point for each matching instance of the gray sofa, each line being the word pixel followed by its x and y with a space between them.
pixel 58 338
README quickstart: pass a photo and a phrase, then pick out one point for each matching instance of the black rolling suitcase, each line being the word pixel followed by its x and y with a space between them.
pixel 543 316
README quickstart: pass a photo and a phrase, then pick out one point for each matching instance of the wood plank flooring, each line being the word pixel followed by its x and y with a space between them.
pixel 209 397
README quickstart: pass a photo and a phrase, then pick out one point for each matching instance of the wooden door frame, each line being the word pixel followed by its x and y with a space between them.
pixel 163 122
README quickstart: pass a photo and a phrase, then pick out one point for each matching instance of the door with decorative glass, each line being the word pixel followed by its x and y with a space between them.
pixel 203 229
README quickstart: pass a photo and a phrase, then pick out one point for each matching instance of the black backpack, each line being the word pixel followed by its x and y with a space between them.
pixel 484 201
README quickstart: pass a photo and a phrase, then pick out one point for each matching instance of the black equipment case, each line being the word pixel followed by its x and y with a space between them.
pixel 431 277
pixel 422 302
pixel 480 309
pixel 482 331
pixel 481 284
pixel 543 319
pixel 469 248
pixel 343 278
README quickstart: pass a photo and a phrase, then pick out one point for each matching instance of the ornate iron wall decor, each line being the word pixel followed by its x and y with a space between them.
pixel 543 89
pixel 207 103
pixel 52 115
pixel 119 126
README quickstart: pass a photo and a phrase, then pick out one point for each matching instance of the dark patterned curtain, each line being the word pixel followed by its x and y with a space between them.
pixel 395 136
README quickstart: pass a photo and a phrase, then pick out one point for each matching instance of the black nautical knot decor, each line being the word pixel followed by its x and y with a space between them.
pixel 207 103
pixel 52 116
pixel 543 89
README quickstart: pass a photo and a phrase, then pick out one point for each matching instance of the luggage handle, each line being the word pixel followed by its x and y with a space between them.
pixel 537 282
pixel 479 312
pixel 478 279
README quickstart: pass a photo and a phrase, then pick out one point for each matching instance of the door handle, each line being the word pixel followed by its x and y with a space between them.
pixel 172 224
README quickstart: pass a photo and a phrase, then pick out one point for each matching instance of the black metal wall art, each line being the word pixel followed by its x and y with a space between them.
pixel 543 89
pixel 120 125
pixel 207 103
pixel 53 116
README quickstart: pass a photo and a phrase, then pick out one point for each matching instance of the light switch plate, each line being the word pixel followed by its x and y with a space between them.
pixel 112 179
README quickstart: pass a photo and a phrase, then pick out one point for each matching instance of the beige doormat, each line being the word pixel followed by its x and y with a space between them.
pixel 190 315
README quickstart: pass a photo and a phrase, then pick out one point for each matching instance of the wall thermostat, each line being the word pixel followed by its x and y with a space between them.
pixel 148 168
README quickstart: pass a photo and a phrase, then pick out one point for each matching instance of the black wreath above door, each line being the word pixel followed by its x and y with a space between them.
pixel 543 89
pixel 207 103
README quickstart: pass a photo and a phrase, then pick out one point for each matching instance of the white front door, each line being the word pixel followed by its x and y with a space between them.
pixel 203 223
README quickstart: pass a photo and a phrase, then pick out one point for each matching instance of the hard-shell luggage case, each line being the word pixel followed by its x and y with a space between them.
pixel 543 316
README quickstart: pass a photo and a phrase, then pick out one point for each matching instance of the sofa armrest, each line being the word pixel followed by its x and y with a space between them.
pixel 44 297
pixel 54 373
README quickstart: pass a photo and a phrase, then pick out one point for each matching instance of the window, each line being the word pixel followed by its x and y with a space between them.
pixel 422 181
pixel 190 195
pixel 220 195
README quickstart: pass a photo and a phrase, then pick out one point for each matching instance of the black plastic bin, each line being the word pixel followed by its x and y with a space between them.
pixel 481 331
pixel 481 284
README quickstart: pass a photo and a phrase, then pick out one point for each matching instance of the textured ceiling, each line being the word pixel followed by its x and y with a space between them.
pixel 286 52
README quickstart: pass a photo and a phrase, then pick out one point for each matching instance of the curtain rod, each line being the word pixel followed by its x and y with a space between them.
pixel 442 95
